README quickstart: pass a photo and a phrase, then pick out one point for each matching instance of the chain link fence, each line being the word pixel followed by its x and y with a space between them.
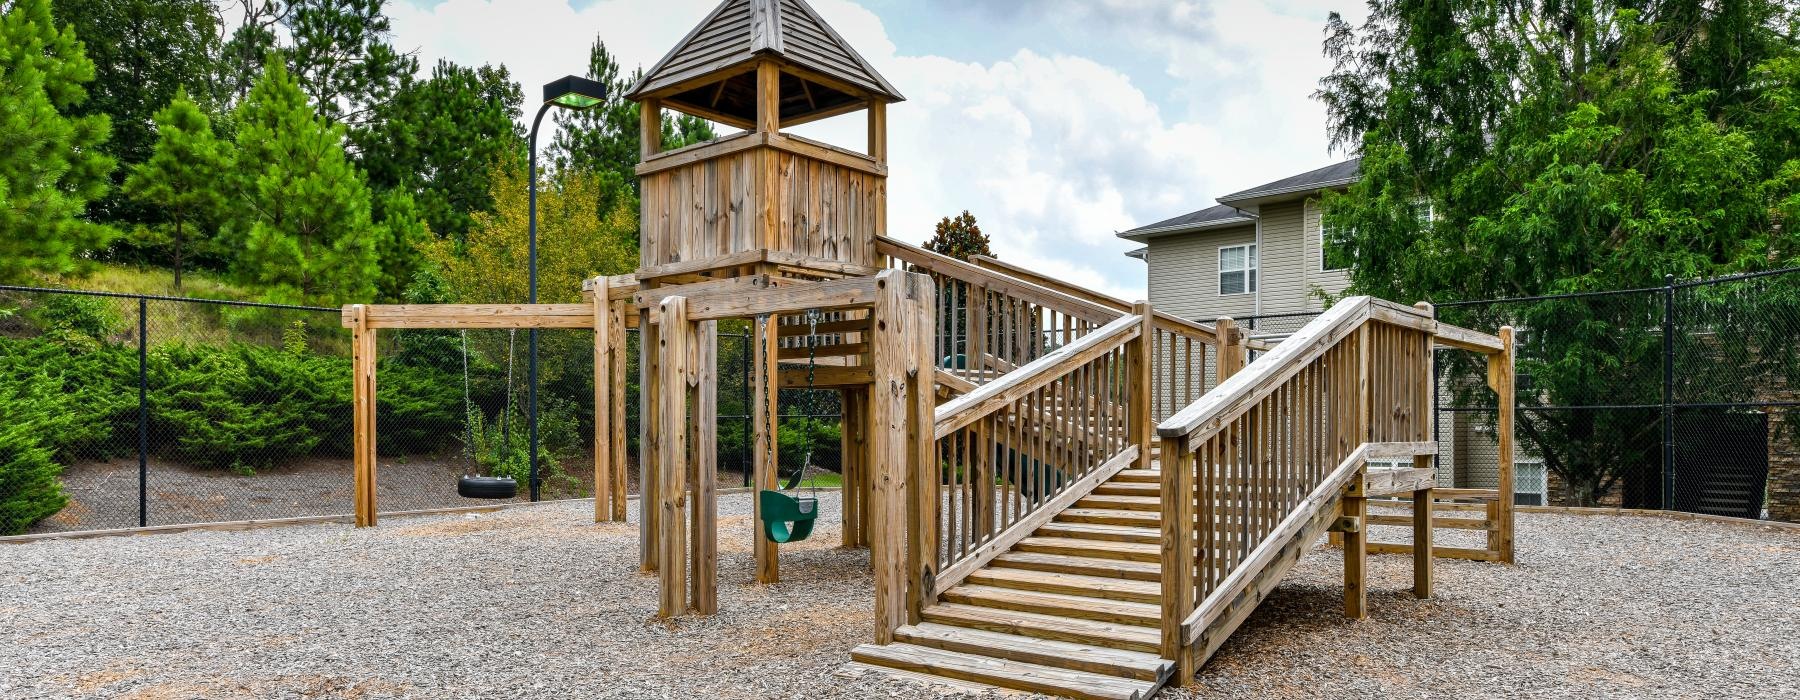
pixel 122 411
pixel 1678 397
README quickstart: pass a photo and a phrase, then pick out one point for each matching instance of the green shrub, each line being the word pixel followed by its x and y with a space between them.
pixel 29 490
pixel 418 408
pixel 95 384
pixel 243 407
pixel 822 439
pixel 77 314
pixel 504 449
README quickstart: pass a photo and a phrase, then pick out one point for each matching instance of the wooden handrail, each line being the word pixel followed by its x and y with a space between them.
pixel 1166 321
pixel 997 394
pixel 1218 602
pixel 1254 383
pixel 1005 284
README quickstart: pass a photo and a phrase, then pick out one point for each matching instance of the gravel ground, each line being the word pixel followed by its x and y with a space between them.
pixel 537 601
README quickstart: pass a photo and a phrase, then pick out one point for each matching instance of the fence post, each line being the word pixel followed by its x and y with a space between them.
pixel 1668 397
pixel 143 413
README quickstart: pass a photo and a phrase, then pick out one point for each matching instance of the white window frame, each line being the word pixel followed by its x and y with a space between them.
pixel 1249 269
pixel 1531 478
pixel 1323 265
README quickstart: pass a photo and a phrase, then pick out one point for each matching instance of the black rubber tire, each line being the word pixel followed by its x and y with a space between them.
pixel 487 487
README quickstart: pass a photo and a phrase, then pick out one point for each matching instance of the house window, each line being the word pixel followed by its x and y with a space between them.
pixel 1237 270
pixel 1531 483
pixel 1331 259
pixel 1423 211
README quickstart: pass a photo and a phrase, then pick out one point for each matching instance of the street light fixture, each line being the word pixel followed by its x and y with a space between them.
pixel 568 92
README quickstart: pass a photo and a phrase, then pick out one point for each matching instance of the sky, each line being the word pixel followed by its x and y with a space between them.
pixel 1056 122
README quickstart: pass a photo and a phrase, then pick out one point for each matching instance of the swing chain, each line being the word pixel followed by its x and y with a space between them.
pixel 813 316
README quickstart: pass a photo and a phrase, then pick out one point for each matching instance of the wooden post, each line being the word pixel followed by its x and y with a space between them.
pixel 703 475
pixel 851 466
pixel 649 433
pixel 1140 365
pixel 1231 348
pixel 922 454
pixel 1356 549
pixel 671 501
pixel 603 388
pixel 1422 552
pixel 878 130
pixel 768 97
pixel 1178 559
pixel 1500 379
pixel 765 386
pixel 891 350
pixel 362 352
pixel 616 366
pixel 649 131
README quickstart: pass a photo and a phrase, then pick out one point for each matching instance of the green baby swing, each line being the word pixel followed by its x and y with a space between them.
pixel 788 518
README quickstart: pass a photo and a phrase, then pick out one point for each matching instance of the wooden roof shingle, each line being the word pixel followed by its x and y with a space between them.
pixel 739 31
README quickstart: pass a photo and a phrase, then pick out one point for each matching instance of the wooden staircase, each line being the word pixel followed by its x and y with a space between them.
pixel 1071 610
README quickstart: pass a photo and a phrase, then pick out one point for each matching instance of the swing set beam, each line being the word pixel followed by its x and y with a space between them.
pixel 365 320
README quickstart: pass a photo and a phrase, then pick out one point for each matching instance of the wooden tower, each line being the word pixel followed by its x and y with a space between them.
pixel 760 201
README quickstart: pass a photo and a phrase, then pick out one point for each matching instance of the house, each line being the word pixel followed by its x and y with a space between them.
pixel 1258 252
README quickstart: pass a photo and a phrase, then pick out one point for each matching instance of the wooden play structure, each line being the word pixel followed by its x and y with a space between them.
pixel 1060 491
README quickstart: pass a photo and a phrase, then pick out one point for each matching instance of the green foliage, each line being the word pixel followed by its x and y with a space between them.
pixel 29 489
pixel 244 407
pixel 502 446
pixel 61 315
pixel 959 238
pixel 801 438
pixel 1564 148
pixel 181 177
pixel 341 57
pixel 51 162
pixel 301 211
pixel 400 244
pixel 438 140
pixel 143 51
pixel 604 140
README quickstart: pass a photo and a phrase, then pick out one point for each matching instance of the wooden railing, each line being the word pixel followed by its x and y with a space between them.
pixel 988 323
pixel 1252 463
pixel 1018 449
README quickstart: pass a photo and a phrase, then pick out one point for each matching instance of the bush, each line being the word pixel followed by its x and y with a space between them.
pixel 75 314
pixel 29 489
pixel 240 407
pixel 800 437
pixel 418 408
pixel 96 388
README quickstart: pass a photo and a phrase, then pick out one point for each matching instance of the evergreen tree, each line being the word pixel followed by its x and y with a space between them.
pixel 605 139
pixel 438 141
pixel 51 164
pixel 182 177
pixel 143 51
pixel 301 214
pixel 341 58
pixel 400 243
pixel 959 238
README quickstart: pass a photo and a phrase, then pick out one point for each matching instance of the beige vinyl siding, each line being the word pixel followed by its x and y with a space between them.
pixel 1283 258
pixel 1332 282
pixel 1184 274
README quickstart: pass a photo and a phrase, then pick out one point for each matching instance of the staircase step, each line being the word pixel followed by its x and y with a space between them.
pixel 1002 672
pixel 1071 584
pixel 1139 476
pixel 1099 549
pixel 1135 503
pixel 1090 531
pixel 855 669
pixel 1103 516
pixel 1059 604
pixel 1047 652
pixel 1080 566
pixel 1128 488
pixel 1067 629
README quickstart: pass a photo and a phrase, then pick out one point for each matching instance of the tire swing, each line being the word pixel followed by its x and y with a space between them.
pixel 475 485
pixel 788 518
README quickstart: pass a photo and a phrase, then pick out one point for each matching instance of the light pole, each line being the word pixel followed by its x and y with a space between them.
pixel 568 92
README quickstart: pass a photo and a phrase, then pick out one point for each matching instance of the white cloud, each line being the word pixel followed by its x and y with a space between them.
pixel 1052 150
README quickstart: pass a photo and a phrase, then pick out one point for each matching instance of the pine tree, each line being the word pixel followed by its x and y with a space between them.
pixel 182 175
pixel 959 238
pixel 301 214
pixel 51 164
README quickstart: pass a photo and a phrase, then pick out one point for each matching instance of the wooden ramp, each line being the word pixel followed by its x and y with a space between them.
pixel 1071 610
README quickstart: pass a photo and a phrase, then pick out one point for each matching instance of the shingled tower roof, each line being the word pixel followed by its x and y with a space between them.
pixel 711 72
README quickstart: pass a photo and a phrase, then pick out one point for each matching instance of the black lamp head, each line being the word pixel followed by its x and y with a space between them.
pixel 574 92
